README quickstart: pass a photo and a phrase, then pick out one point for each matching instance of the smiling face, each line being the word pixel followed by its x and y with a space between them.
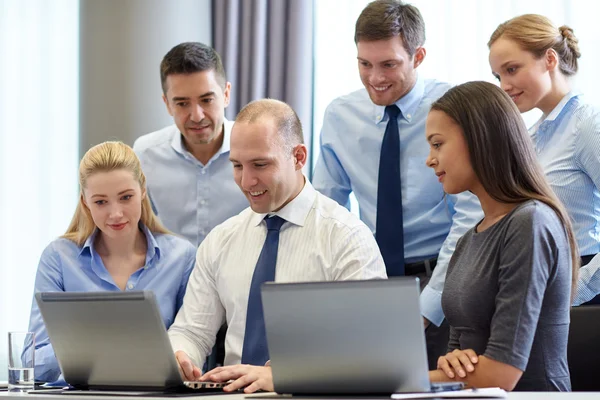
pixel 524 78
pixel 386 69
pixel 197 103
pixel 114 199
pixel 268 172
pixel 449 153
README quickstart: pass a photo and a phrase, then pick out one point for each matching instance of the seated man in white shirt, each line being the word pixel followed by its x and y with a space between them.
pixel 316 239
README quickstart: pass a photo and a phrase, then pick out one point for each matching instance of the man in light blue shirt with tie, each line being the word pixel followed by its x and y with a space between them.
pixel 190 179
pixel 373 144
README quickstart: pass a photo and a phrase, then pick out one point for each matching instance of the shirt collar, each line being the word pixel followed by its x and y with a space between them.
pixel 177 141
pixel 178 146
pixel 296 211
pixel 560 106
pixel 407 104
pixel 153 247
pixel 227 125
pixel 89 247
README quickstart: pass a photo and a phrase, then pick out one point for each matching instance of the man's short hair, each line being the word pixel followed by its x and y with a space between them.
pixel 385 19
pixel 191 57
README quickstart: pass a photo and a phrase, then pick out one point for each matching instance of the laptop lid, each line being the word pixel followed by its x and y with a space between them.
pixel 346 337
pixel 108 340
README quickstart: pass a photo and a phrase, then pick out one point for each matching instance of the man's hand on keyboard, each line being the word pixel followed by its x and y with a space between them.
pixel 249 377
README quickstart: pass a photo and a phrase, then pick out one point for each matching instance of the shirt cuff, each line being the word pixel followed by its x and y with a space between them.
pixel 431 305
pixel 583 294
pixel 60 382
pixel 180 343
pixel 588 284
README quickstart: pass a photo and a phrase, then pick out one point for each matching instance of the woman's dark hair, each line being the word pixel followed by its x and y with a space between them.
pixel 501 151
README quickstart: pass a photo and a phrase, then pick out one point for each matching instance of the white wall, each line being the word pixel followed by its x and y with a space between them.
pixel 73 73
pixel 38 145
pixel 121 46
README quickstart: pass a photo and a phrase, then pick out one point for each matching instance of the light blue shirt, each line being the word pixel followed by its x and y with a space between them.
pixel 66 267
pixel 567 142
pixel 189 198
pixel 351 137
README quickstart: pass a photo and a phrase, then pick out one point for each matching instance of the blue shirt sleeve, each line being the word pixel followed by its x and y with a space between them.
pixel 329 176
pixel 48 279
pixel 587 150
pixel 466 212
pixel 588 283
pixel 588 159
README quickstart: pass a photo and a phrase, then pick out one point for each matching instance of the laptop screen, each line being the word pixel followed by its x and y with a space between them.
pixel 110 340
pixel 346 337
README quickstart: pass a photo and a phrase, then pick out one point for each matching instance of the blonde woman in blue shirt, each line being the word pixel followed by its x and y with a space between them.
pixel 114 243
pixel 534 60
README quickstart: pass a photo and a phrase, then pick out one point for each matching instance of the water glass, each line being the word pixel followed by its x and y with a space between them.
pixel 21 351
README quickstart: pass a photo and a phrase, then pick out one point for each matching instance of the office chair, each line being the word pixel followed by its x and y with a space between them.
pixel 583 351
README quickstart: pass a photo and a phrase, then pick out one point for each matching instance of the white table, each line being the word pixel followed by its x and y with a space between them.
pixel 511 396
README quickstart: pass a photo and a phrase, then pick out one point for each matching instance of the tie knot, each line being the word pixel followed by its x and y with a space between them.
pixel 392 111
pixel 274 223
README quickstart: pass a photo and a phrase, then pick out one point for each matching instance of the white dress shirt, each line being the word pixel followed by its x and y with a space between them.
pixel 189 197
pixel 321 241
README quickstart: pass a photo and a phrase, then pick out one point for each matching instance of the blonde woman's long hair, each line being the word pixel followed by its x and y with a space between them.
pixel 106 157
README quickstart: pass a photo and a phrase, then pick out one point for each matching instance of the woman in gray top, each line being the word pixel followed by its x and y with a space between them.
pixel 508 287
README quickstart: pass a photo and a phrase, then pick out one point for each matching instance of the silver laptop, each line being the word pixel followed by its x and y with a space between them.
pixel 107 341
pixel 348 337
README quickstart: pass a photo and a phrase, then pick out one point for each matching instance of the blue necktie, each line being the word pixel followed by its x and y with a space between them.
pixel 389 229
pixel 255 351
